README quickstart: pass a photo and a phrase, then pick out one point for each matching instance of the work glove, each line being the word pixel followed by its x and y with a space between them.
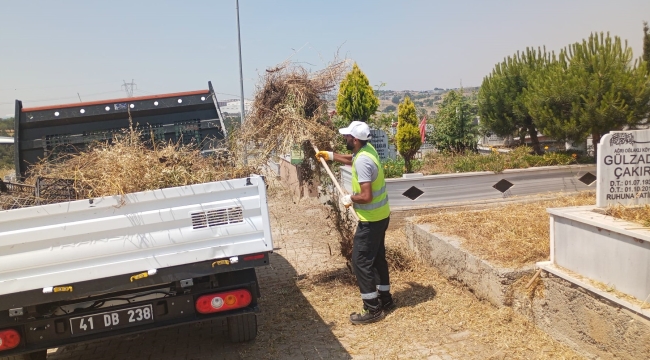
pixel 327 155
pixel 346 200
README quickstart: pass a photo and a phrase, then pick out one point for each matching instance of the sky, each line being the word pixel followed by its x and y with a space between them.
pixel 56 52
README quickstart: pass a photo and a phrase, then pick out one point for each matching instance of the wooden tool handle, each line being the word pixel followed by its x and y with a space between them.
pixel 327 168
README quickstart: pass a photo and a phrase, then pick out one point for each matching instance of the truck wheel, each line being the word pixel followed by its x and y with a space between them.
pixel 242 327
pixel 37 355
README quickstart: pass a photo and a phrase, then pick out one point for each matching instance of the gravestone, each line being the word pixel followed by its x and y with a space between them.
pixel 379 141
pixel 623 168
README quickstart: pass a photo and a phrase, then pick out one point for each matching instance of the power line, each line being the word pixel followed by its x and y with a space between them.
pixel 57 87
pixel 62 98
pixel 128 87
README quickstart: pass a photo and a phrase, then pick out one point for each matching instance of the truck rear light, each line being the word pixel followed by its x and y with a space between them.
pixel 9 339
pixel 224 301
pixel 254 257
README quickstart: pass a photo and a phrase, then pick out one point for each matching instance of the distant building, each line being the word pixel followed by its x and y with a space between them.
pixel 233 106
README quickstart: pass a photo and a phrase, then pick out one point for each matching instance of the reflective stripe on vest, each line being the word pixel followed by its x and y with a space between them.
pixel 378 209
pixel 372 206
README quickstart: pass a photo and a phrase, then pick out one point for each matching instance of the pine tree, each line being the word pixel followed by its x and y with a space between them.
pixel 591 89
pixel 501 97
pixel 453 128
pixel 356 99
pixel 408 133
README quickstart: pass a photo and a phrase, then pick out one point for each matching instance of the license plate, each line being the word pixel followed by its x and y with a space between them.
pixel 111 320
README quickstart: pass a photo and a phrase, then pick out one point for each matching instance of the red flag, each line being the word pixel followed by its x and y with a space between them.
pixel 423 128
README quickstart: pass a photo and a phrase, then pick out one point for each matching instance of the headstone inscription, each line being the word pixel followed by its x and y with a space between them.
pixel 379 141
pixel 623 168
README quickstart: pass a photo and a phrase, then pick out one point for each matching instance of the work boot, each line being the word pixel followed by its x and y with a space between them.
pixel 386 300
pixel 366 316
pixel 371 312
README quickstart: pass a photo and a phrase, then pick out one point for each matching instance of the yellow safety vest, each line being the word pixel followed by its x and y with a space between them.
pixel 378 208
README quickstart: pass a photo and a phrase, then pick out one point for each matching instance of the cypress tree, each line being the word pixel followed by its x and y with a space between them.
pixel 356 99
pixel 408 133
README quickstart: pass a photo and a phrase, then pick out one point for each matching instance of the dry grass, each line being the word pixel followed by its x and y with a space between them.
pixel 5 171
pixel 431 311
pixel 636 214
pixel 129 165
pixel 512 236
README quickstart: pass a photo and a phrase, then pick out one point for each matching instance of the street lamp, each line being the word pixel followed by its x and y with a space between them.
pixel 241 81
pixel 241 73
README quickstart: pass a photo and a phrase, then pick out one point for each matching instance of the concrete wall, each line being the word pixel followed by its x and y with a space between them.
pixel 486 280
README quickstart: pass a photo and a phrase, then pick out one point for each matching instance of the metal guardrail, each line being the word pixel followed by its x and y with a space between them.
pixel 462 187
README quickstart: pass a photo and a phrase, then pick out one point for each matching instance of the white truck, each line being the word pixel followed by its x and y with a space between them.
pixel 88 269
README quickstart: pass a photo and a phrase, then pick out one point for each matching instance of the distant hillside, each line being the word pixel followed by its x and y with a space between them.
pixel 427 100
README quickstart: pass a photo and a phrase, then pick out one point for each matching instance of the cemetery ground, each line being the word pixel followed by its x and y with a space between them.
pixel 308 294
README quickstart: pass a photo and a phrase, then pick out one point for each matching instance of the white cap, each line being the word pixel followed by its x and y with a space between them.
pixel 357 129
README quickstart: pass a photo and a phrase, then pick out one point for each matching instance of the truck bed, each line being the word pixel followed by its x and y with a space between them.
pixel 120 237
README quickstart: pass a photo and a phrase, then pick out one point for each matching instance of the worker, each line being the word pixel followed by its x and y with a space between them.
pixel 370 202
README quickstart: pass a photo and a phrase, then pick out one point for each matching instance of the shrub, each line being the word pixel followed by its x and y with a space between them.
pixel 519 158
pixel 396 168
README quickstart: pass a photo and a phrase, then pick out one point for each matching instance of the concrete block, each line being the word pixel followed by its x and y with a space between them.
pixel 411 176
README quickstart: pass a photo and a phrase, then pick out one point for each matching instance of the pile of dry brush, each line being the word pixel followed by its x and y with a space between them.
pixel 290 109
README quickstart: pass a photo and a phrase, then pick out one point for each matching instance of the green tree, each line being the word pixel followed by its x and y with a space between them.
pixel 592 88
pixel 395 99
pixel 6 150
pixel 502 108
pixel 407 139
pixel 646 45
pixel 6 126
pixel 356 99
pixel 454 128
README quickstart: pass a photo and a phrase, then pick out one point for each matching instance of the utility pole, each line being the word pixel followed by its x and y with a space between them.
pixel 241 80
pixel 241 73
pixel 128 88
